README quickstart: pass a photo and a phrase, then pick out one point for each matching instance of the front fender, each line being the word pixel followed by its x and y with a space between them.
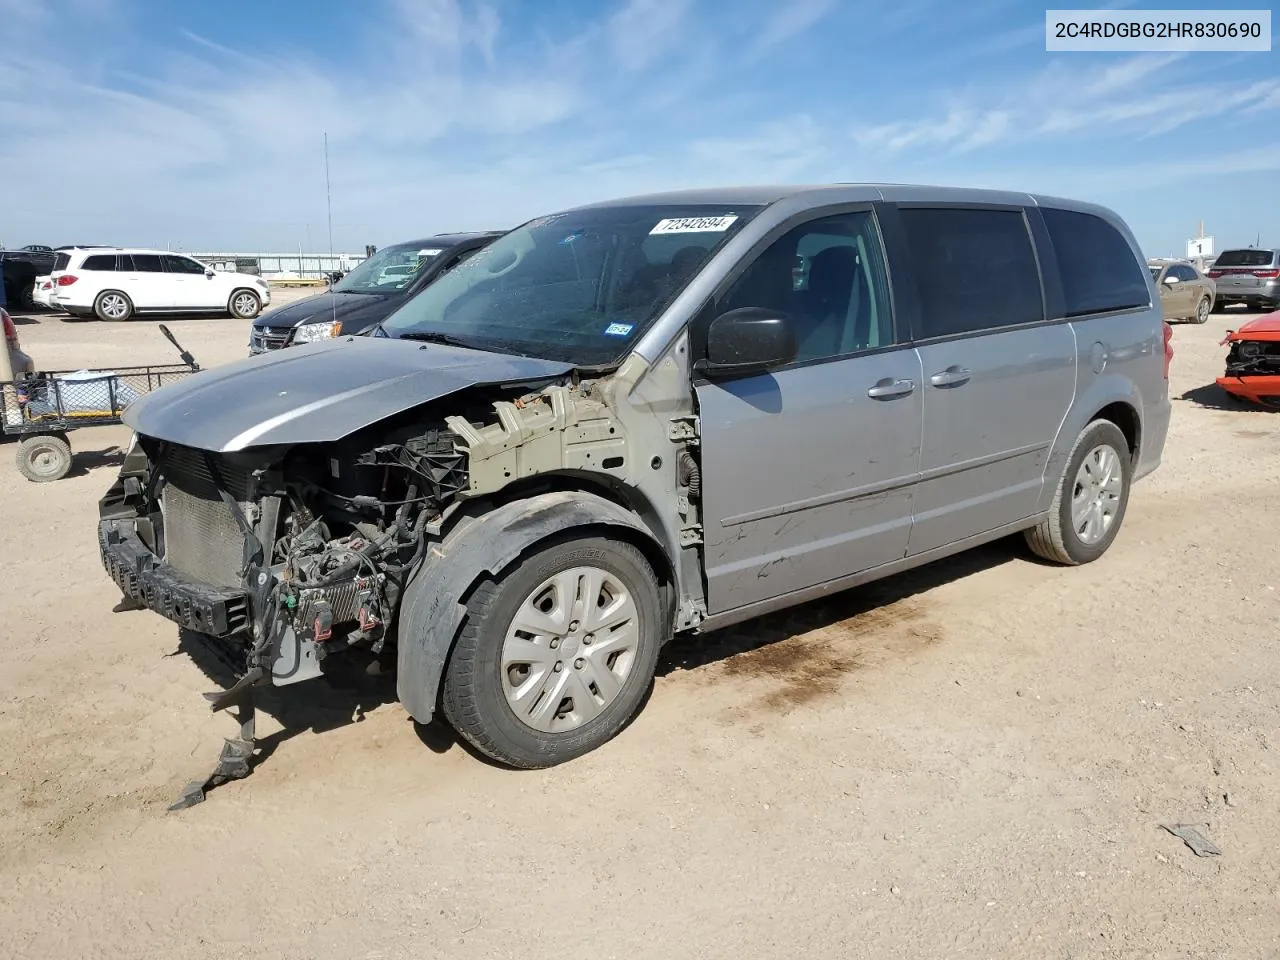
pixel 432 610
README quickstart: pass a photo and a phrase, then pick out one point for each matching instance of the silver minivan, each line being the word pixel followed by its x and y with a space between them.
pixel 633 419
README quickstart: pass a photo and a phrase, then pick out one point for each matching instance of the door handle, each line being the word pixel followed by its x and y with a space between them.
pixel 951 377
pixel 887 389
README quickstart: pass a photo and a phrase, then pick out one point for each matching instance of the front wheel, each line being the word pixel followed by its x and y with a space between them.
pixel 244 305
pixel 1203 310
pixel 556 656
pixel 1090 502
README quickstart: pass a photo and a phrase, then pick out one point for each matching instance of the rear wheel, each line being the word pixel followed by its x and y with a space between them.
pixel 244 305
pixel 44 458
pixel 112 305
pixel 1090 502
pixel 556 656
pixel 1203 309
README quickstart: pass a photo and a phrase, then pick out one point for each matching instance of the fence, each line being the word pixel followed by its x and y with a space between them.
pixel 282 266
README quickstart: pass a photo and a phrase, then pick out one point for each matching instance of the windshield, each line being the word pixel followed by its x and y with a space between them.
pixel 389 270
pixel 578 287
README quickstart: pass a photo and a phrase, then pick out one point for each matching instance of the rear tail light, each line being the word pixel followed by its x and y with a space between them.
pixel 1266 274
pixel 10 329
pixel 66 280
pixel 1214 274
pixel 1168 348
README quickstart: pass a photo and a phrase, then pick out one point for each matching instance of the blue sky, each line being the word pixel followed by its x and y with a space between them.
pixel 201 125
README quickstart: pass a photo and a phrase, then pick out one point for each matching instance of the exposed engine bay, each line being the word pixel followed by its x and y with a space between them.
pixel 1250 358
pixel 285 555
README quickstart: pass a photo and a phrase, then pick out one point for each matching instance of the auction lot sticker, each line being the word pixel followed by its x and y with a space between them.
pixel 694 224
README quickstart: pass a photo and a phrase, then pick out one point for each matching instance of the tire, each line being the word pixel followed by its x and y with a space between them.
pixel 44 458
pixel 27 295
pixel 479 691
pixel 1203 309
pixel 244 304
pixel 112 306
pixel 1058 538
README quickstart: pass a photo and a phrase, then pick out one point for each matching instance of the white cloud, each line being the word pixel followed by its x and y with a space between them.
pixel 644 31
pixel 1135 97
pixel 789 20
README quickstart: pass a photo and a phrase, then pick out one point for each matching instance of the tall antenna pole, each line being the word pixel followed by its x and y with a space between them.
pixel 327 198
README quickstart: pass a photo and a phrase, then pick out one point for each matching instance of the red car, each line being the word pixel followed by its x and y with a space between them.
pixel 1253 362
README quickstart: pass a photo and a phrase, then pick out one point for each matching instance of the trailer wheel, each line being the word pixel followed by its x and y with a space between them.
pixel 44 458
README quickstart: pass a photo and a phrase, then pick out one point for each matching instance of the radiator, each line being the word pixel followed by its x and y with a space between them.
pixel 202 540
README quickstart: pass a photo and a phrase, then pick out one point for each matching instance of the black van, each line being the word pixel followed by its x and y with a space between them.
pixel 368 294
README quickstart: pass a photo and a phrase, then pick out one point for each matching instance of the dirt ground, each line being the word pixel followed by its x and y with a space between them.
pixel 969 761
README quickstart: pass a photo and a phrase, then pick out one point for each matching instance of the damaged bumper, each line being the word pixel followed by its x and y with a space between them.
pixel 1263 390
pixel 144 579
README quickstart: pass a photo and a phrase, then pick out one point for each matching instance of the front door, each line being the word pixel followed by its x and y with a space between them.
pixel 997 380
pixel 808 471
pixel 193 289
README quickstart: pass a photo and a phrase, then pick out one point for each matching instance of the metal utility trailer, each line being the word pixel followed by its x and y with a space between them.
pixel 42 408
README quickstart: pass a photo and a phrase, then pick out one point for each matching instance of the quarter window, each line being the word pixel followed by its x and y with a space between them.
pixel 100 261
pixel 975 270
pixel 838 303
pixel 1098 268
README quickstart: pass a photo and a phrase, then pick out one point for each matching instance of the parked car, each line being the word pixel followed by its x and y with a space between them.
pixel 1249 276
pixel 1185 293
pixel 622 421
pixel 356 302
pixel 42 292
pixel 120 283
pixel 18 271
pixel 1253 361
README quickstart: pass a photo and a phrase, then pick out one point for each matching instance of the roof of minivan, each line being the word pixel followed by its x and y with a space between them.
pixel 448 239
pixel 835 192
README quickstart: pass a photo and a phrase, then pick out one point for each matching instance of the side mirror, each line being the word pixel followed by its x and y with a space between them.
pixel 747 340
pixel 208 272
pixel 1171 280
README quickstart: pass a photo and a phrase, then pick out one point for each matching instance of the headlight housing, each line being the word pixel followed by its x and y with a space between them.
pixel 311 332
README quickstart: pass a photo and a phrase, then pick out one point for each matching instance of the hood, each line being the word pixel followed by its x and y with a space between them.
pixel 319 392
pixel 1265 327
pixel 355 310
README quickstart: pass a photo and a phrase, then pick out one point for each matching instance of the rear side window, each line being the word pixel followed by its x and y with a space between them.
pixel 147 263
pixel 100 261
pixel 1245 258
pixel 1098 268
pixel 976 269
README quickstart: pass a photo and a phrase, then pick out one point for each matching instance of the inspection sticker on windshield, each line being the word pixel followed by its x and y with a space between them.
pixel 694 224
pixel 618 329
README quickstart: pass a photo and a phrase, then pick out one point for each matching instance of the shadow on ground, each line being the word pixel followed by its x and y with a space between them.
pixel 1213 397
pixel 348 691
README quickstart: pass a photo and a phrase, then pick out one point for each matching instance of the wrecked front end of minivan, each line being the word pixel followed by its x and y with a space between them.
pixel 278 506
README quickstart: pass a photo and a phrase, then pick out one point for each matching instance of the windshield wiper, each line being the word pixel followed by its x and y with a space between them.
pixel 447 339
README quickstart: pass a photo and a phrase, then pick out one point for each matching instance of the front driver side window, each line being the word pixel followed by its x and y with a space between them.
pixel 827 276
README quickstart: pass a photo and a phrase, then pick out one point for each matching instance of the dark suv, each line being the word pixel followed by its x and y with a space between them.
pixel 368 294
pixel 1248 276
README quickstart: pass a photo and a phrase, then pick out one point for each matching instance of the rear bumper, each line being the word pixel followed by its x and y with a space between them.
pixel 1263 390
pixel 143 577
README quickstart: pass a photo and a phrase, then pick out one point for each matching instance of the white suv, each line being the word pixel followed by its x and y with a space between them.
pixel 117 283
